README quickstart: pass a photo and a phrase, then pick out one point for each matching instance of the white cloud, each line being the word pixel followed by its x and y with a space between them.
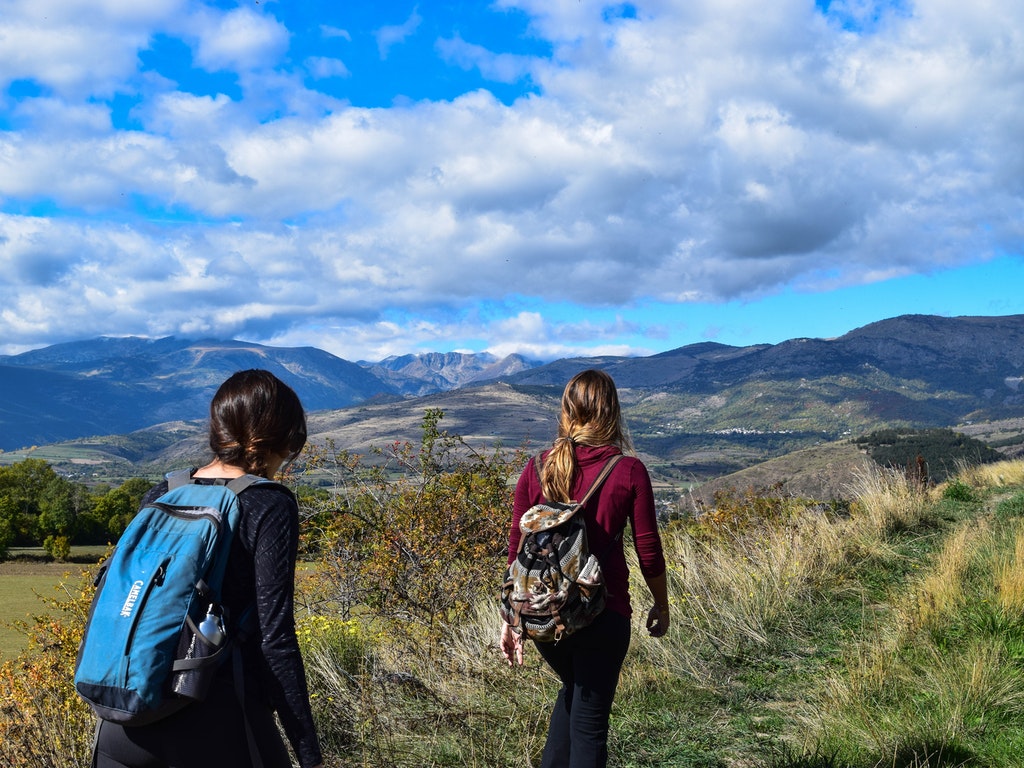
pixel 328 31
pixel 189 116
pixel 392 35
pixel 68 59
pixel 322 67
pixel 499 67
pixel 687 154
pixel 241 39
pixel 78 48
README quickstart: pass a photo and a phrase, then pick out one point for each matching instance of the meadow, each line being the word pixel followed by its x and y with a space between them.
pixel 26 577
pixel 20 587
pixel 883 632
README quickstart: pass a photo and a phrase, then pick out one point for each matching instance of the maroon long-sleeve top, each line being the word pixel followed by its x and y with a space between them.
pixel 626 496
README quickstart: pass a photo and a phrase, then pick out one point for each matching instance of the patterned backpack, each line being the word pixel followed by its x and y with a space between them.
pixel 555 586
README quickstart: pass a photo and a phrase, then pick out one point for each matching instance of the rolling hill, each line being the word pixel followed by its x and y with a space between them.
pixel 698 412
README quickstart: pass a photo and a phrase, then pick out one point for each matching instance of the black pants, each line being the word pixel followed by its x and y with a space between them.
pixel 588 664
pixel 206 735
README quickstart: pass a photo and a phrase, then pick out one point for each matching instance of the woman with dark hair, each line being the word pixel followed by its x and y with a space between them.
pixel 588 661
pixel 257 426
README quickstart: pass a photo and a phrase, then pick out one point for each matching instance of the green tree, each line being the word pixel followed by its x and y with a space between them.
pixel 43 502
pixel 136 488
pixel 60 504
pixel 110 509
pixel 8 513
pixel 114 510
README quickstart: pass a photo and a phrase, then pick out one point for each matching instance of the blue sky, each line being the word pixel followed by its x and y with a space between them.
pixel 549 177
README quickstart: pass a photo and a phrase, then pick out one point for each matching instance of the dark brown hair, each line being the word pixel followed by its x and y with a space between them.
pixel 254 416
pixel 590 416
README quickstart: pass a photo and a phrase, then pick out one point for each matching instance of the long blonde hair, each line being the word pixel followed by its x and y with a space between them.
pixel 590 416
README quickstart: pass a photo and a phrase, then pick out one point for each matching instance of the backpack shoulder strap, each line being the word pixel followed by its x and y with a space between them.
pixel 237 484
pixel 605 471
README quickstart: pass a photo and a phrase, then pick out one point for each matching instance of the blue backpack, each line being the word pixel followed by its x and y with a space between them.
pixel 143 655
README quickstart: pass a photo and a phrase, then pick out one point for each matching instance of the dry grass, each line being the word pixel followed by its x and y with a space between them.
pixel 940 592
pixel 887 501
pixel 998 475
pixel 1009 578
pixel 939 674
pixel 744 592
pixel 757 586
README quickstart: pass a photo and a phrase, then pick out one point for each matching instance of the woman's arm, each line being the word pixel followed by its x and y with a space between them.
pixel 647 540
pixel 274 557
pixel 524 498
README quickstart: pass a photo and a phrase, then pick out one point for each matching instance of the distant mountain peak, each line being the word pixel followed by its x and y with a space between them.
pixel 428 372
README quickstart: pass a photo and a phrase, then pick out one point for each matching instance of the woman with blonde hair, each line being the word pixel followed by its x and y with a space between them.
pixel 588 662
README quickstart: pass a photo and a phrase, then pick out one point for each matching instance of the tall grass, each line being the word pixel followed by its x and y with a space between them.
pixel 727 598
pixel 888 636
pixel 887 502
pixel 1000 474
pixel 938 683
pixel 741 603
pixel 380 701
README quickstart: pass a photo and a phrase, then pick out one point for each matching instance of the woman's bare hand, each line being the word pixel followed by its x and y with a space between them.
pixel 511 645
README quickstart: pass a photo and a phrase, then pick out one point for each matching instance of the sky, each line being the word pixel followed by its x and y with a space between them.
pixel 553 178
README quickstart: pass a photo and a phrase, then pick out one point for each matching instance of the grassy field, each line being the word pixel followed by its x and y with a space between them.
pixel 26 578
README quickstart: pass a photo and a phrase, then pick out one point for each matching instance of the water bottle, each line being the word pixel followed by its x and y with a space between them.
pixel 212 627
pixel 193 681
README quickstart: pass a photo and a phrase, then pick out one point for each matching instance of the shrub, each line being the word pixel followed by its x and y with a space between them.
pixel 44 723
pixel 957 490
pixel 58 547
pixel 413 538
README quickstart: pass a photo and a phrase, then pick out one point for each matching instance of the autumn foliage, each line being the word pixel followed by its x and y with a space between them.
pixel 411 537
pixel 43 722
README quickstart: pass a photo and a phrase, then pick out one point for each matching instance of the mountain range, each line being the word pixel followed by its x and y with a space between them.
pixel 115 385
pixel 698 411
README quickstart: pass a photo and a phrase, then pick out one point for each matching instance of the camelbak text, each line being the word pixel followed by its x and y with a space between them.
pixel 133 595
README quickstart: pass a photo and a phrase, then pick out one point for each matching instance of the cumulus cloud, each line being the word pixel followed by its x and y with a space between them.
pixel 76 48
pixel 240 39
pixel 677 152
